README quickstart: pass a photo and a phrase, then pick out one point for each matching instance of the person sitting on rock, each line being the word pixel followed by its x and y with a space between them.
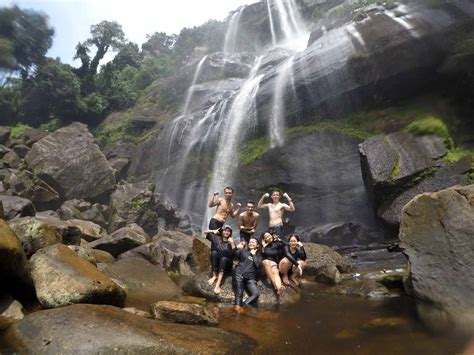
pixel 272 250
pixel 293 261
pixel 276 210
pixel 224 208
pixel 222 252
pixel 246 273
pixel 248 221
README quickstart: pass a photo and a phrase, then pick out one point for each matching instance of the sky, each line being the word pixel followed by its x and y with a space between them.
pixel 72 19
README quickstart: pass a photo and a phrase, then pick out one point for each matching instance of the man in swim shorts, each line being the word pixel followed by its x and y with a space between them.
pixel 224 208
pixel 248 221
pixel 276 210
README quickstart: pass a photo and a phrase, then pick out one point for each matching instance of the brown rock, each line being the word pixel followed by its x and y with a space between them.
pixel 62 278
pixel 181 312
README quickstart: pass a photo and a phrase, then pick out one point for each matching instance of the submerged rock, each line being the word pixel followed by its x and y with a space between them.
pixel 436 235
pixel 62 278
pixel 82 329
pixel 181 312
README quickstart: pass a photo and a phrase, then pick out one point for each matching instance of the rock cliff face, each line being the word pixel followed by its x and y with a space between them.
pixel 349 65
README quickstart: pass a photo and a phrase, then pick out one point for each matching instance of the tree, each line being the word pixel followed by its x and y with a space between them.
pixel 52 92
pixel 25 37
pixel 129 55
pixel 159 44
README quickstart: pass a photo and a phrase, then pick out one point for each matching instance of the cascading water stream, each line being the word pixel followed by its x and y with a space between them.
pixel 232 31
pixel 277 125
pixel 241 114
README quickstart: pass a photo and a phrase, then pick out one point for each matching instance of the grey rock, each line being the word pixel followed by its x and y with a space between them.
pixel 11 308
pixel 120 165
pixel 181 312
pixel 89 230
pixel 12 159
pixel 21 150
pixel 4 134
pixel 120 150
pixel 143 282
pixel 436 236
pixel 34 135
pixel 122 240
pixel 72 164
pixel 106 329
pixel 62 278
pixel 321 258
pixel 15 207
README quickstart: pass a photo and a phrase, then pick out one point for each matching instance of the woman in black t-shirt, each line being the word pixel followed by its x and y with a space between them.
pixel 222 252
pixel 293 261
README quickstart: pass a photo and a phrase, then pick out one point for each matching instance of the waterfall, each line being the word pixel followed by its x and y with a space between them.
pixel 293 33
pixel 191 89
pixel 240 116
pixel 276 126
pixel 232 31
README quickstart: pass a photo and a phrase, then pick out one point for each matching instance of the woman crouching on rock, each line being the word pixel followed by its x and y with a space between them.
pixel 293 261
pixel 222 253
pixel 272 250
pixel 246 273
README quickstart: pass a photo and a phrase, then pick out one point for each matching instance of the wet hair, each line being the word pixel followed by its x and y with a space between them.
pixel 251 202
pixel 279 192
pixel 294 235
pixel 228 188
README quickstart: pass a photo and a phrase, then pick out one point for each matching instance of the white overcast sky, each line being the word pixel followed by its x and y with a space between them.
pixel 72 19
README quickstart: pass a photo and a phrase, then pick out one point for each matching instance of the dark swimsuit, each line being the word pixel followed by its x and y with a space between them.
pixel 245 276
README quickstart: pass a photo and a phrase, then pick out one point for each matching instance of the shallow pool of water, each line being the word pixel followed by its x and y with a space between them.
pixel 342 325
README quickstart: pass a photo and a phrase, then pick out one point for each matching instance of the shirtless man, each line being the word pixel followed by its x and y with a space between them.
pixel 248 221
pixel 224 208
pixel 276 210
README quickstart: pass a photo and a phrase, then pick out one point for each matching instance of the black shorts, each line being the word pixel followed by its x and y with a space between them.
pixel 245 236
pixel 215 224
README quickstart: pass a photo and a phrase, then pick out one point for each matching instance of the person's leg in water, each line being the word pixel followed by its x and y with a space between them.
pixel 296 273
pixel 284 267
pixel 252 290
pixel 223 267
pixel 238 285
pixel 215 267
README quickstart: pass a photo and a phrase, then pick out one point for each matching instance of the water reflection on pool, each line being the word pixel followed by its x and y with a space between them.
pixel 342 325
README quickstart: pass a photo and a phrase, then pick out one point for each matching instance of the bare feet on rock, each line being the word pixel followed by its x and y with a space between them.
pixel 217 290
pixel 295 281
pixel 211 280
pixel 285 280
pixel 281 290
pixel 239 309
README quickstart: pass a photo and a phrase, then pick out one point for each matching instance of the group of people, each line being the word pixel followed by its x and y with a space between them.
pixel 281 258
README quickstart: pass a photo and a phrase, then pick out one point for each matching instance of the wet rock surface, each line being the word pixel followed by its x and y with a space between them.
pixel 181 312
pixel 106 329
pixel 62 278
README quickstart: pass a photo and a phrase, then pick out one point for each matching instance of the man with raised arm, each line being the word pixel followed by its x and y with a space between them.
pixel 224 208
pixel 248 221
pixel 276 210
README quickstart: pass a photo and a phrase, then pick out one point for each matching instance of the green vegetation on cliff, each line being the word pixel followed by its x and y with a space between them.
pixel 431 125
pixel 18 130
pixel 254 150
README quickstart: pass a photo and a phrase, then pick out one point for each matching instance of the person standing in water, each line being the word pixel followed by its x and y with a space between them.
pixel 246 273
pixel 248 221
pixel 276 210
pixel 222 253
pixel 224 208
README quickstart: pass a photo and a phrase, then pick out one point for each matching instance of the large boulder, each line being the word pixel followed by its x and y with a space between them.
pixel 15 207
pixel 447 176
pixel 392 162
pixel 39 232
pixel 94 256
pixel 106 329
pixel 143 282
pixel 71 162
pixel 33 135
pixel 320 257
pixel 13 263
pixel 122 240
pixel 436 235
pixel 182 312
pixel 89 230
pixel 136 203
pixel 198 286
pixel 174 251
pixel 61 278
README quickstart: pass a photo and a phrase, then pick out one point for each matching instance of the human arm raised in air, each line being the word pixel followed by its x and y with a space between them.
pixel 291 206
pixel 260 202
pixel 213 201
pixel 236 211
